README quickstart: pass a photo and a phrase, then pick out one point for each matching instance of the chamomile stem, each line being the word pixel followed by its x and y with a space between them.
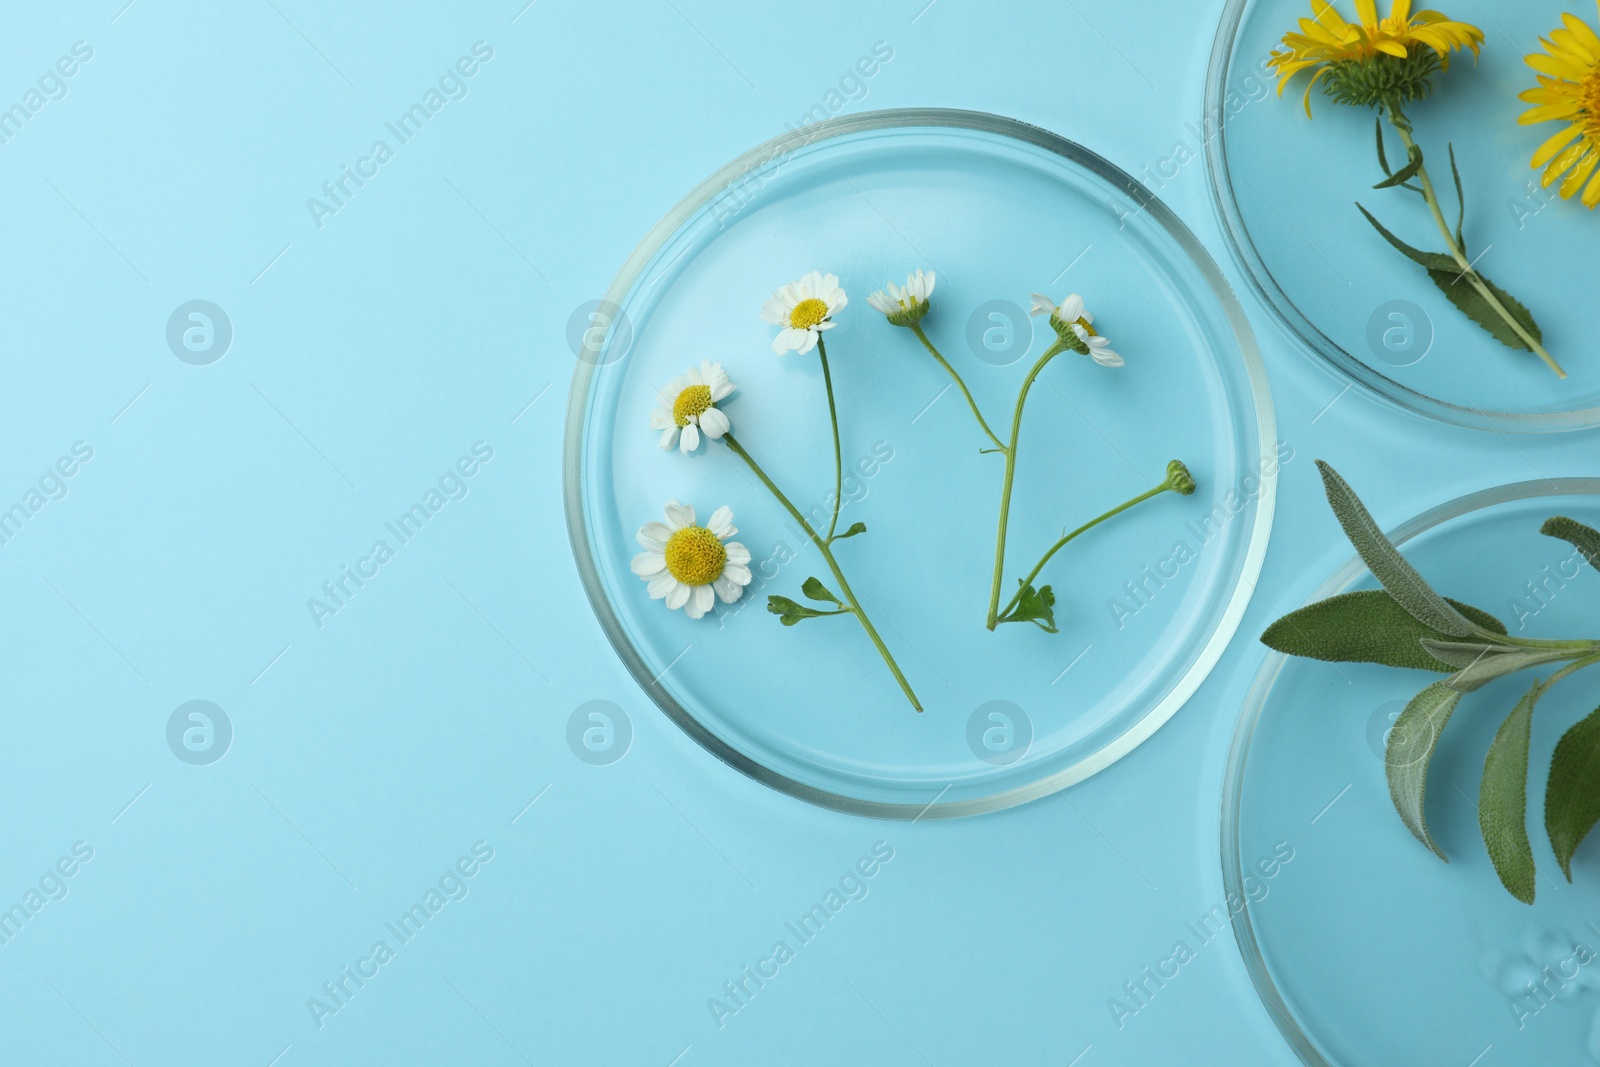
pixel 1059 545
pixel 1005 488
pixel 1459 254
pixel 838 457
pixel 916 328
pixel 852 603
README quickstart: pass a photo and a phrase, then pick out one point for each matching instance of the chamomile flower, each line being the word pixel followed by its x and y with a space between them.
pixel 687 407
pixel 804 309
pixel 1569 92
pixel 908 306
pixel 1074 327
pixel 690 566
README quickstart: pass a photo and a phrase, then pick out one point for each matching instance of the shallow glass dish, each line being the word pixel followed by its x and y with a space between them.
pixel 999 209
pixel 1365 948
pixel 1285 188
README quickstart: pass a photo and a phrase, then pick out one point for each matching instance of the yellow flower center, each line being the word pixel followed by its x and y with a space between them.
pixel 1589 101
pixel 808 313
pixel 693 401
pixel 695 556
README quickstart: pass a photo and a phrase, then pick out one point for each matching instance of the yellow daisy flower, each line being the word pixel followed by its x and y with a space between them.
pixel 1364 51
pixel 1568 91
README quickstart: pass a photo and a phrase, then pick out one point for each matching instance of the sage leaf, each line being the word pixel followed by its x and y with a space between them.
pixel 1503 800
pixel 1384 560
pixel 790 612
pixel 1572 799
pixel 815 590
pixel 855 528
pixel 1037 606
pixel 1366 626
pixel 1586 539
pixel 1410 751
pixel 1489 666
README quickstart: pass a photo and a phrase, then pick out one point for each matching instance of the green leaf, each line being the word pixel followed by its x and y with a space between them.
pixel 1503 800
pixel 1405 173
pixel 1456 284
pixel 1572 799
pixel 790 612
pixel 1384 560
pixel 1410 751
pixel 1586 539
pixel 1037 606
pixel 1464 295
pixel 855 528
pixel 815 590
pixel 1367 626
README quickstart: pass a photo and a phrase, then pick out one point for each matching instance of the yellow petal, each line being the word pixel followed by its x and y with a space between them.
pixel 1367 12
pixel 1576 179
pixel 1583 33
pixel 1548 150
pixel 1548 112
pixel 1557 67
pixel 1591 195
pixel 1391 48
pixel 1401 9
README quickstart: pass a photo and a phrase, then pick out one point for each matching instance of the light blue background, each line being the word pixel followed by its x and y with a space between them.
pixel 368 755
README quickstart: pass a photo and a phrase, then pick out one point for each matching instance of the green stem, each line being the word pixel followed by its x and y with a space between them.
pixel 1573 667
pixel 916 328
pixel 1459 254
pixel 1059 545
pixel 838 457
pixel 1005 489
pixel 852 604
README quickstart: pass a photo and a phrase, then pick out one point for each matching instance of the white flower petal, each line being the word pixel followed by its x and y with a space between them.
pixel 808 340
pixel 1071 308
pixel 701 600
pixel 1042 305
pixel 679 595
pixel 661 585
pixel 739 573
pixel 648 564
pixel 714 423
pixel 661 419
pixel 721 523
pixel 669 437
pixel 738 555
pixel 691 438
pixel 653 535
pixel 723 391
pixel 728 590
pixel 679 515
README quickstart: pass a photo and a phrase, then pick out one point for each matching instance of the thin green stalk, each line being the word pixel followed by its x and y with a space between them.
pixel 852 604
pixel 1573 667
pixel 838 457
pixel 1005 489
pixel 1459 254
pixel 1059 545
pixel 916 328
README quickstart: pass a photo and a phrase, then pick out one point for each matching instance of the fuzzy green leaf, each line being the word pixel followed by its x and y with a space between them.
pixel 1586 539
pixel 1572 799
pixel 1037 606
pixel 815 590
pixel 1367 626
pixel 1384 560
pixel 855 528
pixel 1432 260
pixel 1503 800
pixel 1488 666
pixel 1410 751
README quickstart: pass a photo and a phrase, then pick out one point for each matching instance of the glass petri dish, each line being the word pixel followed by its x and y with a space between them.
pixel 1284 188
pixel 1365 948
pixel 999 209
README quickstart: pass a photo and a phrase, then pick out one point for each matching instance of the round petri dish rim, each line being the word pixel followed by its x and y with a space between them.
pixel 1296 321
pixel 661 235
pixel 1256 701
